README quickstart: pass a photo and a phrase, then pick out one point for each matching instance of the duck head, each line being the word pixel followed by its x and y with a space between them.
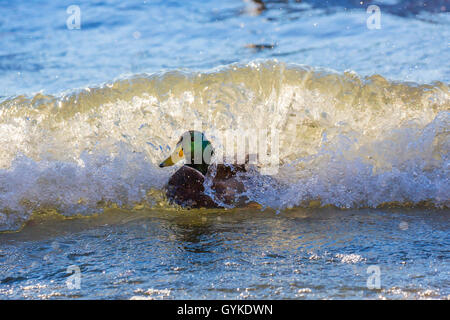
pixel 194 148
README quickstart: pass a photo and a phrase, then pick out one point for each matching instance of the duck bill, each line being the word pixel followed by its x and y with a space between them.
pixel 176 156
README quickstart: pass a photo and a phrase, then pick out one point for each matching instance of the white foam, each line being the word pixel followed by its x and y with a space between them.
pixel 344 141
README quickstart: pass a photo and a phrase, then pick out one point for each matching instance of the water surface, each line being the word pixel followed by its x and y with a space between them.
pixel 362 116
pixel 238 254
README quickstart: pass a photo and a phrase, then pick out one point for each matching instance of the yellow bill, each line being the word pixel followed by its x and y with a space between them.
pixel 177 155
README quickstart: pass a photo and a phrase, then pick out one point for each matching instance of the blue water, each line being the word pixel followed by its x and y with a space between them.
pixel 116 39
pixel 363 115
pixel 300 254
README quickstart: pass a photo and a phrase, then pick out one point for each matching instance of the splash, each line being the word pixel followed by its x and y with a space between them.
pixel 344 140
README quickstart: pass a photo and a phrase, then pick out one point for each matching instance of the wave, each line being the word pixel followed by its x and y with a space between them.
pixel 344 141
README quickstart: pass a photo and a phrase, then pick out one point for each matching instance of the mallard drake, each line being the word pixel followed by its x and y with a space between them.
pixel 186 187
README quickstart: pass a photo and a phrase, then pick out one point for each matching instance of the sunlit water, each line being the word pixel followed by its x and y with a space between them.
pixel 118 38
pixel 362 116
pixel 309 254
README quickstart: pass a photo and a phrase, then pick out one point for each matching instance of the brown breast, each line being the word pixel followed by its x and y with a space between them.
pixel 186 189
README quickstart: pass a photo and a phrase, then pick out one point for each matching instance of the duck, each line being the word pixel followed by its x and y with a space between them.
pixel 186 187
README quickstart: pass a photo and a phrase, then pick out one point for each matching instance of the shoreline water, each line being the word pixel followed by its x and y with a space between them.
pixel 237 254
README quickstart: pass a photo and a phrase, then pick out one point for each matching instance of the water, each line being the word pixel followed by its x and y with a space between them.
pixel 308 254
pixel 362 117
pixel 118 38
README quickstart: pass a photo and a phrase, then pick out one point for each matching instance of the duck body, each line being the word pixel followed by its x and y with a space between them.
pixel 186 187
pixel 200 184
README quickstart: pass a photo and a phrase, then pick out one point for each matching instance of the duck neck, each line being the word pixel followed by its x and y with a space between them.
pixel 203 167
pixel 206 153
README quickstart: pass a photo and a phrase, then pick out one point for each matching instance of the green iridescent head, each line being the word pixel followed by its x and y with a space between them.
pixel 194 148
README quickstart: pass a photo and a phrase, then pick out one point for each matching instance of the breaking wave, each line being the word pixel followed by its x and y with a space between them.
pixel 344 140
